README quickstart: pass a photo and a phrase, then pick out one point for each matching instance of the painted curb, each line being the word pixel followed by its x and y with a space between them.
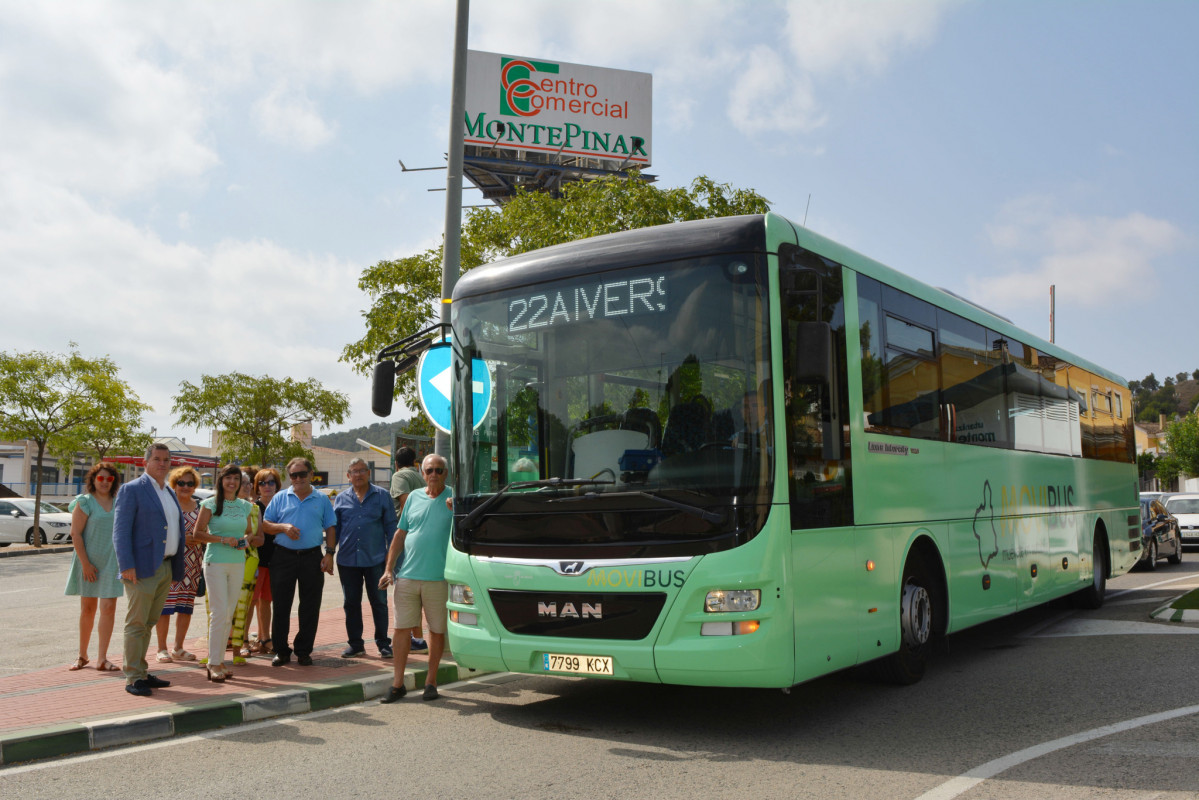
pixel 1168 614
pixel 70 738
pixel 36 551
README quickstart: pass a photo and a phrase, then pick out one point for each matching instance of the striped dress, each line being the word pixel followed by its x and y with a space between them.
pixel 182 595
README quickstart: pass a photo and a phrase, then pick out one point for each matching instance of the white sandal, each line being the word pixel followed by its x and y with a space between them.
pixel 164 657
pixel 182 655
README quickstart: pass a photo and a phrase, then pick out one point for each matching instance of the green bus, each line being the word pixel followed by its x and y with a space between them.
pixel 732 452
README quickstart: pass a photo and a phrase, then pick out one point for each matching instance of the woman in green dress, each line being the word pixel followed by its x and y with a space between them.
pixel 94 576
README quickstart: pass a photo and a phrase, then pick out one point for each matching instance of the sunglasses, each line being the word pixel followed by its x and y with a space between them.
pixel 267 482
pixel 297 475
pixel 105 479
pixel 435 471
pixel 184 484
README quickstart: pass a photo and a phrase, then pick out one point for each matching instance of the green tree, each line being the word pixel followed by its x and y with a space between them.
pixel 58 401
pixel 252 414
pixel 405 293
pixel 121 435
pixel 1182 449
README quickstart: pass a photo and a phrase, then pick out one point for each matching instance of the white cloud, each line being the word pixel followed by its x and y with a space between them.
pixel 777 88
pixel 290 118
pixel 1093 261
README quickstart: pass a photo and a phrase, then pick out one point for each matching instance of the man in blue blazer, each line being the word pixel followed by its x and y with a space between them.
pixel 147 530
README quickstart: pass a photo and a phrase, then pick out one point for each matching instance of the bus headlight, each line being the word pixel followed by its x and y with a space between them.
pixel 733 600
pixel 461 594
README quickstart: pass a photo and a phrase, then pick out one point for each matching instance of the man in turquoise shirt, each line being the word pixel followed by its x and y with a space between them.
pixel 423 536
pixel 301 518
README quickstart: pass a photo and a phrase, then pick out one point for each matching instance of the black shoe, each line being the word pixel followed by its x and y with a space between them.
pixel 350 652
pixel 156 683
pixel 385 652
pixel 280 659
pixel 139 687
pixel 430 692
pixel 418 646
pixel 394 694
pixel 304 661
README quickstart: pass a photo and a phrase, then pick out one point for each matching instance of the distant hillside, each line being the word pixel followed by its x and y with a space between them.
pixel 381 434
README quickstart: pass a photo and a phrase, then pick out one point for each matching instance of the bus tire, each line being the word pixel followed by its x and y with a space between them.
pixel 1092 596
pixel 919 610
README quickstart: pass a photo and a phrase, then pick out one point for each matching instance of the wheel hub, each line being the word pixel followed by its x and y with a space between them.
pixel 916 615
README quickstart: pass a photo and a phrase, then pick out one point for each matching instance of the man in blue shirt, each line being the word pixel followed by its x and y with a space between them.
pixel 300 518
pixel 366 521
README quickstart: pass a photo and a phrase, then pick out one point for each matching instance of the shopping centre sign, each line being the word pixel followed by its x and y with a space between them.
pixel 523 104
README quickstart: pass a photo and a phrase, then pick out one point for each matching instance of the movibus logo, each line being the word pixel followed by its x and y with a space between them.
pixel 526 91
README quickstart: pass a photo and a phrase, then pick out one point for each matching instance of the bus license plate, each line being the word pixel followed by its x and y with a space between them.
pixel 580 665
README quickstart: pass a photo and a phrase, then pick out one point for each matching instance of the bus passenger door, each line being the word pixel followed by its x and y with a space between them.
pixel 815 421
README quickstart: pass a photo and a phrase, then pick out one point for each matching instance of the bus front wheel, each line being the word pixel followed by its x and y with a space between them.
pixel 917 614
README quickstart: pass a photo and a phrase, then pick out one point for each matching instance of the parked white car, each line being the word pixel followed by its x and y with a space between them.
pixel 16 522
pixel 1185 508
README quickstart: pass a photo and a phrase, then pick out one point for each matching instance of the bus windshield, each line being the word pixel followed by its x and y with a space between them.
pixel 637 395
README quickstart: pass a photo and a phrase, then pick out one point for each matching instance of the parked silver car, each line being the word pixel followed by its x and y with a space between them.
pixel 16 522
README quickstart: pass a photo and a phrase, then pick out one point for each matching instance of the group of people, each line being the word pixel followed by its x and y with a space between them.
pixel 254 548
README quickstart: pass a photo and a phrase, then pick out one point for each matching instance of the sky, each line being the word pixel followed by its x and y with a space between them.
pixel 194 187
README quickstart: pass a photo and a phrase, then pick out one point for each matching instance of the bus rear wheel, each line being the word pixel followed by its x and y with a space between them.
pixel 917 615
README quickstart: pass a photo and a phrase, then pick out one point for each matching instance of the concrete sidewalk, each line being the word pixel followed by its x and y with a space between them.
pixel 53 711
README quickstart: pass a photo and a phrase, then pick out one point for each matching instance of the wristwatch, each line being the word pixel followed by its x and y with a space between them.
pixel 330 551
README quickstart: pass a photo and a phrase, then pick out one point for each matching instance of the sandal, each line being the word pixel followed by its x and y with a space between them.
pixel 182 655
pixel 164 657
pixel 215 674
pixel 107 666
pixel 266 648
pixel 80 663
pixel 245 651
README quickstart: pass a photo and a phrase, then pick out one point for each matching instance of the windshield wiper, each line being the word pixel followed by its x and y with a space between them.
pixel 469 520
pixel 702 513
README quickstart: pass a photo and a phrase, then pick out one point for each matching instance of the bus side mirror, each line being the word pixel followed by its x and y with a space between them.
pixel 811 356
pixel 383 387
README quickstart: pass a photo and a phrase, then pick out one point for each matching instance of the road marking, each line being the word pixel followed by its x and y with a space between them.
pixel 1152 585
pixel 968 780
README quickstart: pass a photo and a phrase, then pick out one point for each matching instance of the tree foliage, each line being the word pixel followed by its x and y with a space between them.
pixel 253 413
pixel 1182 449
pixel 405 293
pixel 62 403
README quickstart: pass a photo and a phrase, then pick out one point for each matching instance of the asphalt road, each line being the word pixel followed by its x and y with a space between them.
pixel 1053 702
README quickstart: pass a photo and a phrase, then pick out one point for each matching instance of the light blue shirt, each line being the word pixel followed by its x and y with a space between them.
pixel 428 524
pixel 312 516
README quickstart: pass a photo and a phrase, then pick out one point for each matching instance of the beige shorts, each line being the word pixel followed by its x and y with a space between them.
pixel 410 596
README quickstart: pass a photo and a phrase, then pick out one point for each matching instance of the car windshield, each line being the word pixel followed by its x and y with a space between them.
pixel 1183 505
pixel 638 382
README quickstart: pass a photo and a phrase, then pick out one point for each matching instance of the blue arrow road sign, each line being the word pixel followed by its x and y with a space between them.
pixel 435 381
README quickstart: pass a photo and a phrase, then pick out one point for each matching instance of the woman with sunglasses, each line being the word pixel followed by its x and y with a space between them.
pixel 181 597
pixel 94 577
pixel 266 485
pixel 226 526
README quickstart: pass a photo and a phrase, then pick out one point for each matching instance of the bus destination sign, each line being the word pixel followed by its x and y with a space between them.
pixel 592 301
